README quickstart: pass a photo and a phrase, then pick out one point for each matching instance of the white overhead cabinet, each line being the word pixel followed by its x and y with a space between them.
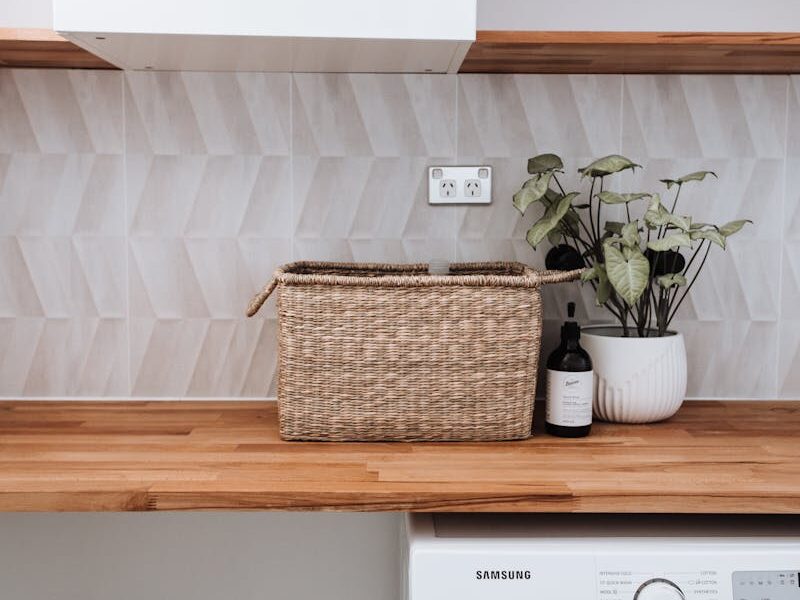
pixel 272 35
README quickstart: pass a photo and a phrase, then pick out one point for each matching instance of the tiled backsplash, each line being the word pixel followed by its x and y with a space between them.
pixel 140 211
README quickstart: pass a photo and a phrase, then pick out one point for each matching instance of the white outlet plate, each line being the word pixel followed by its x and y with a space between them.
pixel 465 179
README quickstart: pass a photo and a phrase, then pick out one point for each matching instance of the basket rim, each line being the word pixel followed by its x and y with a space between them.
pixel 407 274
pixel 412 275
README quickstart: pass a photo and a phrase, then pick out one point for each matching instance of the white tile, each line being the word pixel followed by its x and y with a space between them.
pixel 209 196
pixel 789 363
pixel 374 115
pixel 203 358
pixel 207 113
pixel 367 198
pixel 731 359
pixel 724 116
pixel 60 194
pixel 63 357
pixel 524 115
pixel 58 111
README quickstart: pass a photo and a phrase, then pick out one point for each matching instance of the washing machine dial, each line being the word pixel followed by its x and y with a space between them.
pixel 659 588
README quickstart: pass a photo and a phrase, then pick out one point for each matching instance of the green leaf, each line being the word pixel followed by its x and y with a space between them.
pixel 615 198
pixel 582 206
pixel 532 191
pixel 670 280
pixel 656 214
pixel 630 235
pixel 700 225
pixel 733 227
pixel 613 227
pixel 598 273
pixel 684 223
pixel 590 274
pixel 628 272
pixel 603 286
pixel 550 220
pixel 696 176
pixel 607 165
pixel 554 236
pixel 709 234
pixel 544 163
pixel 671 241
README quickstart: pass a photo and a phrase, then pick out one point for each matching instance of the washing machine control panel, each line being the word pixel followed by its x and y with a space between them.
pixel 766 585
pixel 684 585
pixel 658 585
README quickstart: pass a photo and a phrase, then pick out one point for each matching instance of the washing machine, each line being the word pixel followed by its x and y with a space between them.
pixel 594 557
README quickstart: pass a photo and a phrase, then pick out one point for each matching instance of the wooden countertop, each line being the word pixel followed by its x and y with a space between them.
pixel 632 52
pixel 521 52
pixel 720 457
pixel 43 48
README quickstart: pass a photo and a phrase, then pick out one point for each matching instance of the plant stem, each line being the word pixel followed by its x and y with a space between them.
pixel 580 219
pixel 675 201
pixel 662 228
pixel 591 218
pixel 687 267
pixel 599 209
pixel 689 287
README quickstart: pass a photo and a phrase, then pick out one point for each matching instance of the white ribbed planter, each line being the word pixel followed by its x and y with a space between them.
pixel 637 380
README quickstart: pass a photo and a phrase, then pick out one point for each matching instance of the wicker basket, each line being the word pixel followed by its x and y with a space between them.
pixel 389 352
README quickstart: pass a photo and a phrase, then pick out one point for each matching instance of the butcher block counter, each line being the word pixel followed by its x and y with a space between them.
pixel 713 457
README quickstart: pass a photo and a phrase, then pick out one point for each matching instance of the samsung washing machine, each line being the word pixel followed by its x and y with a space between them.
pixel 593 557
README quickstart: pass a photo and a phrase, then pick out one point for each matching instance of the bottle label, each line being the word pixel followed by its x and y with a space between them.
pixel 569 398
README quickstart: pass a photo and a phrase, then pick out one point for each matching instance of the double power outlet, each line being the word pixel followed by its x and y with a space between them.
pixel 460 185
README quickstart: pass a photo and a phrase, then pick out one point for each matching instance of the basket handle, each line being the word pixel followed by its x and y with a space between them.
pixel 555 276
pixel 261 297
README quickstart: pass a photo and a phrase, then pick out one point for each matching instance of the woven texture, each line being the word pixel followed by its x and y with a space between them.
pixel 389 352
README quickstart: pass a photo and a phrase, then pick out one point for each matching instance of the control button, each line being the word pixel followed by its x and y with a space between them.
pixel 659 588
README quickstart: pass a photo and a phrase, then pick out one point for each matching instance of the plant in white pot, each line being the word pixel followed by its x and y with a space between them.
pixel 641 270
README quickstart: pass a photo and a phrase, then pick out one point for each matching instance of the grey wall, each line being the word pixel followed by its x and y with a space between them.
pixel 140 211
pixel 199 556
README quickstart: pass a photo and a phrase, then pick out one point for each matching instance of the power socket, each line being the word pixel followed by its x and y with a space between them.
pixel 472 188
pixel 447 188
pixel 460 185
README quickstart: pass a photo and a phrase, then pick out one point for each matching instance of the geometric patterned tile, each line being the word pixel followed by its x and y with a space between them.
pixel 209 196
pixel 60 111
pixel 61 194
pixel 173 278
pixel 373 115
pixel 671 116
pixel 789 363
pixel 207 358
pixel 164 225
pixel 790 281
pixel 63 357
pixel 370 209
pixel 62 245
pixel 731 359
pixel 207 113
pixel 209 218
pixel 522 115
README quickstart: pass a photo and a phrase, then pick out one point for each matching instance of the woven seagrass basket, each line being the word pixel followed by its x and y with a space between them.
pixel 390 352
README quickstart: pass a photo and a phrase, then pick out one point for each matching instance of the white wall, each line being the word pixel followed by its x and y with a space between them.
pixel 34 14
pixel 638 15
pixel 199 556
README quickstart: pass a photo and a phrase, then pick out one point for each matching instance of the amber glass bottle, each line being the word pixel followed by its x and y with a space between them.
pixel 570 384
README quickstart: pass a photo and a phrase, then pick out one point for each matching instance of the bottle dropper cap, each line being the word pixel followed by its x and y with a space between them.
pixel 570 330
